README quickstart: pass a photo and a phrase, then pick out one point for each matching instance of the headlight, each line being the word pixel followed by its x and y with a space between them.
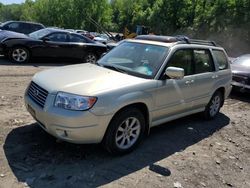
pixel 74 102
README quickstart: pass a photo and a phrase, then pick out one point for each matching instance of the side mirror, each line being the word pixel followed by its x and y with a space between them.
pixel 45 39
pixel 175 72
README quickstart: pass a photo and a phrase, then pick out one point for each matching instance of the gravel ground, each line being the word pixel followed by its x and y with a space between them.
pixel 188 152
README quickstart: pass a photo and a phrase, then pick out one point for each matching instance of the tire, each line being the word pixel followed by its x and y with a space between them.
pixel 19 54
pixel 214 105
pixel 90 58
pixel 125 131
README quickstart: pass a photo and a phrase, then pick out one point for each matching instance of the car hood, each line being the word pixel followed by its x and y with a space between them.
pixel 240 69
pixel 84 79
pixel 4 34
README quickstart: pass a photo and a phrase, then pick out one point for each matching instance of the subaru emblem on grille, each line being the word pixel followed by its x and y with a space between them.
pixel 36 92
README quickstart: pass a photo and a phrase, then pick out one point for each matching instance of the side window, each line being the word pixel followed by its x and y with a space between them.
pixel 182 59
pixel 58 37
pixel 13 26
pixel 25 28
pixel 36 27
pixel 76 38
pixel 33 28
pixel 203 61
pixel 221 59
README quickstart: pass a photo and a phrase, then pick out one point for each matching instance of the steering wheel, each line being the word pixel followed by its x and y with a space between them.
pixel 145 69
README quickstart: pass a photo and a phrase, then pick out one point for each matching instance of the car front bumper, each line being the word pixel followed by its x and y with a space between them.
pixel 67 125
pixel 241 86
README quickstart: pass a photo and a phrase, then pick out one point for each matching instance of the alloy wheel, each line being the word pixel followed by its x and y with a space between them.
pixel 128 133
pixel 19 55
pixel 215 105
pixel 90 58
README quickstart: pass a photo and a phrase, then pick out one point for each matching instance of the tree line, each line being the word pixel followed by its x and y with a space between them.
pixel 225 21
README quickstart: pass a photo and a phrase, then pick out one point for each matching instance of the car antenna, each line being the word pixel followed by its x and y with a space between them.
pixel 101 28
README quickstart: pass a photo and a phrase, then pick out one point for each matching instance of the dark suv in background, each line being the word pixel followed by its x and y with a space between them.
pixel 21 26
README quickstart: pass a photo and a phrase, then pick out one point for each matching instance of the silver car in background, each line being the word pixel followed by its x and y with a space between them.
pixel 139 84
pixel 241 73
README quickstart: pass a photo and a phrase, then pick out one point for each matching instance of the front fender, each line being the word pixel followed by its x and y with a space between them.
pixel 133 98
pixel 114 104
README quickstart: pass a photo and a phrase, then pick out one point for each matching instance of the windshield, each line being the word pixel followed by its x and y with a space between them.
pixel 103 36
pixel 143 60
pixel 40 33
pixel 243 60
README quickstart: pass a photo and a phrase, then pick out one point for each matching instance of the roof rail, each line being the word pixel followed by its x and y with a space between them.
pixel 179 39
pixel 158 38
pixel 201 42
pixel 195 41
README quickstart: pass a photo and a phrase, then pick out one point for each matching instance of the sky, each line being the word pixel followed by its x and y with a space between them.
pixel 6 2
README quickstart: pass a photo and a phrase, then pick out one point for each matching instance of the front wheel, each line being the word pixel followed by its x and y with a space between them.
pixel 214 105
pixel 19 55
pixel 90 58
pixel 125 131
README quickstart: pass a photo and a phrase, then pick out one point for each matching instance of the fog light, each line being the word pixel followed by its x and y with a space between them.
pixel 61 133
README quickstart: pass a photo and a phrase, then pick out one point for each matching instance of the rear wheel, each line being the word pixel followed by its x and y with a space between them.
pixel 125 131
pixel 19 55
pixel 214 105
pixel 90 58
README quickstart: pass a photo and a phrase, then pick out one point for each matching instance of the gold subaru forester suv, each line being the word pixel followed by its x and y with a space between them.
pixel 139 84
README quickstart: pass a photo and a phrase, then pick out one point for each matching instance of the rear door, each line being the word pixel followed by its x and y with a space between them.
pixel 204 78
pixel 223 74
pixel 77 45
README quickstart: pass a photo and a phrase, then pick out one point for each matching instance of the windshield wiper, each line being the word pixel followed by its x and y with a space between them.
pixel 115 68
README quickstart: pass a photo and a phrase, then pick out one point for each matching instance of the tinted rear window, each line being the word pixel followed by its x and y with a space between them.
pixel 203 61
pixel 76 38
pixel 221 59
pixel 37 27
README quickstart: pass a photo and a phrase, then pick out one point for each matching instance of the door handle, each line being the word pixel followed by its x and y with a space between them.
pixel 189 82
pixel 215 76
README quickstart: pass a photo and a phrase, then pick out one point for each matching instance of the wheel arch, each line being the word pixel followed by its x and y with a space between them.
pixel 222 90
pixel 97 50
pixel 90 52
pixel 142 107
pixel 20 45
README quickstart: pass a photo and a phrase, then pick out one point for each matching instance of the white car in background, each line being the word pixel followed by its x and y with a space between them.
pixel 102 38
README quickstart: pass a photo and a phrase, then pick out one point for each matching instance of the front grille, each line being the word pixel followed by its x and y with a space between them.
pixel 37 94
pixel 241 79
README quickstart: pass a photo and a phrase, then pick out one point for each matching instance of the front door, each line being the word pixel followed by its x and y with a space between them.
pixel 172 95
pixel 55 45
